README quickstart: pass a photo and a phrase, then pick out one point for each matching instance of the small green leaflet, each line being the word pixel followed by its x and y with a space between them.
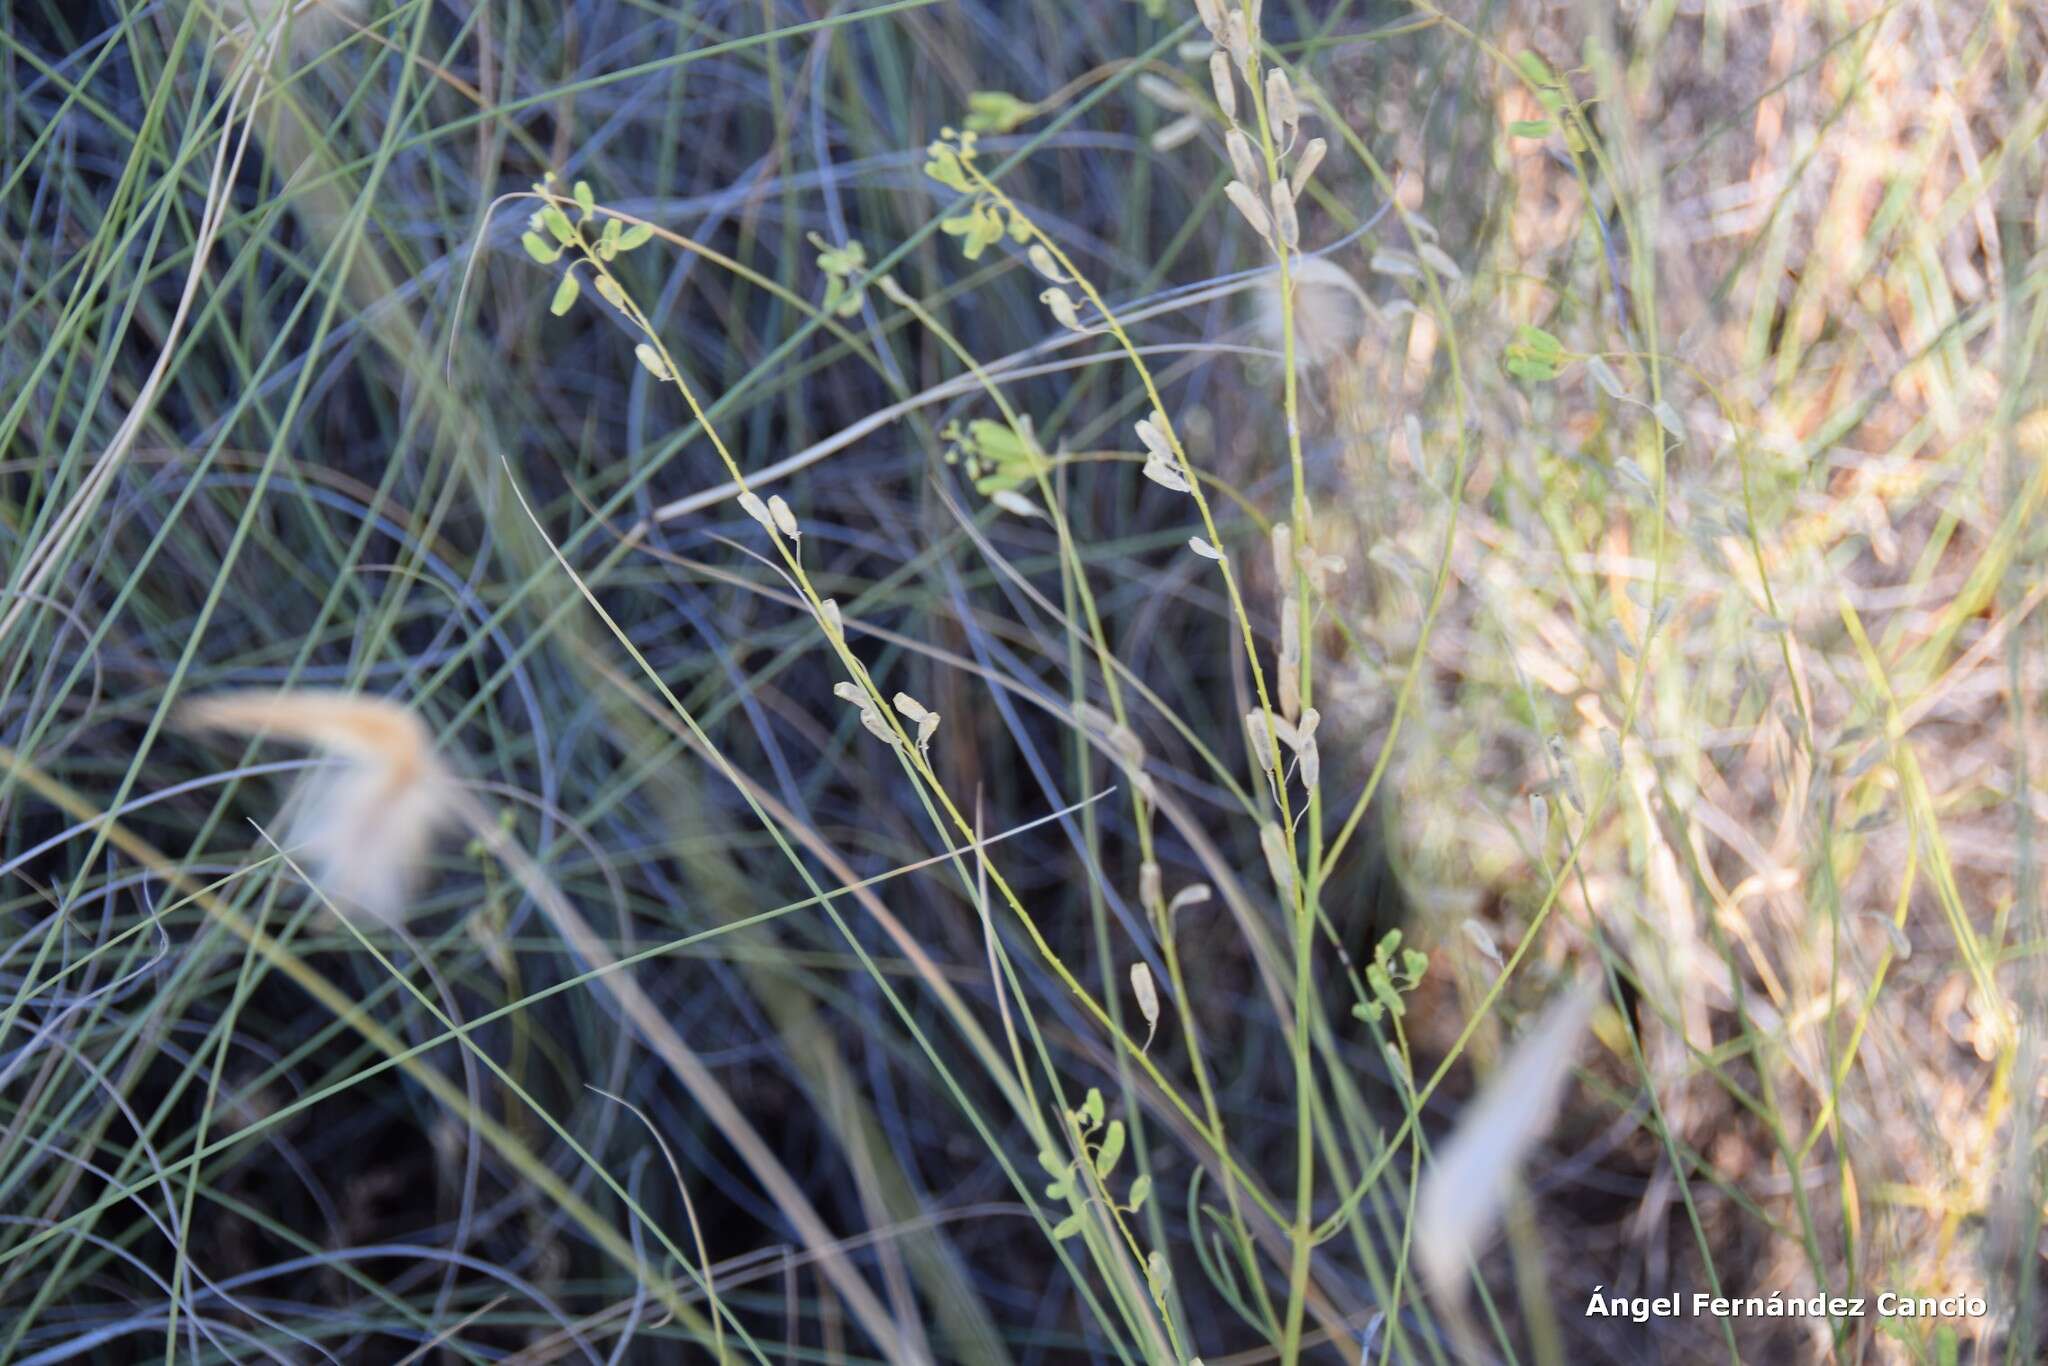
pixel 1112 1148
pixel 1534 354
pixel 565 295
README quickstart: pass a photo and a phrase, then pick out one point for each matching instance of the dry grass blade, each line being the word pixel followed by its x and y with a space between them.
pixel 368 821
pixel 1468 1183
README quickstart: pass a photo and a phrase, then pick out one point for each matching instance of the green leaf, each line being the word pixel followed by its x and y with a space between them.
pixel 565 295
pixel 1535 68
pixel 997 111
pixel 608 240
pixel 1057 1190
pixel 1067 1227
pixel 943 164
pixel 1054 1164
pixel 1539 342
pixel 1534 354
pixel 540 250
pixel 1112 1149
pixel 1141 1190
pixel 585 200
pixel 635 236
pixel 1530 128
pixel 557 223
pixel 1091 1108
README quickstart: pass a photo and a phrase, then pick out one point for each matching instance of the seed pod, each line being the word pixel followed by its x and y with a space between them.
pixel 1258 729
pixel 1254 212
pixel 1042 262
pixel 1290 656
pixel 1151 890
pixel 1305 165
pixel 1162 473
pixel 785 520
pixel 1243 161
pixel 1237 38
pixel 1063 310
pixel 1152 432
pixel 751 504
pixel 1148 998
pixel 1284 215
pixel 1280 101
pixel 1224 84
pixel 1274 845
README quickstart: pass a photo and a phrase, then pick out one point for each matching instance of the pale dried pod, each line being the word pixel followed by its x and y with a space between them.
pixel 1042 262
pixel 1281 105
pixel 1152 435
pixel 1237 39
pixel 751 504
pixel 1147 993
pixel 785 520
pixel 1177 133
pixel 1284 216
pixel 1247 203
pixel 1305 165
pixel 1290 656
pixel 1243 161
pixel 1224 84
pixel 1258 730
pixel 1016 504
pixel 1062 308
pixel 1163 473
pixel 1165 94
pixel 1273 843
